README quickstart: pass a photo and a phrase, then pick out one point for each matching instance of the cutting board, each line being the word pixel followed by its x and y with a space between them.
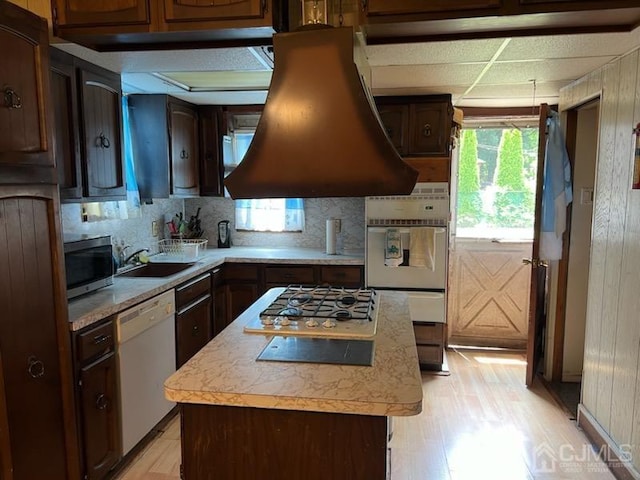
pixel 336 351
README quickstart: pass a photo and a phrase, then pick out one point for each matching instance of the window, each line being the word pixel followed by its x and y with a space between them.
pixel 263 215
pixel 497 168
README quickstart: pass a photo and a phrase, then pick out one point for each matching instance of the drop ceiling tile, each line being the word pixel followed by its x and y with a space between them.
pixel 212 59
pixel 519 91
pixel 502 102
pixel 424 75
pixel 571 46
pixel 462 51
pixel 226 80
pixel 502 73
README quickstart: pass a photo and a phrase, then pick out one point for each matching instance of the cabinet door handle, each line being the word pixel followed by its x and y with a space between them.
pixel 102 141
pixel 184 154
pixel 426 130
pixel 102 402
pixel 35 367
pixel 364 5
pixel 195 330
pixel 97 340
pixel 11 98
pixel 389 131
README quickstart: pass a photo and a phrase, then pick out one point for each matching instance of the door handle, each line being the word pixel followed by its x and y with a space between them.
pixel 535 262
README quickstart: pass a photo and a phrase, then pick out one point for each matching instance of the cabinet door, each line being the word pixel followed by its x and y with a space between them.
pixel 102 136
pixel 210 159
pixel 395 120
pixel 99 407
pixel 193 329
pixel 101 12
pixel 66 143
pixel 31 336
pixel 289 275
pixel 239 297
pixel 342 276
pixel 184 150
pixel 207 10
pixel 429 131
pixel 391 7
pixel 25 122
pixel 6 467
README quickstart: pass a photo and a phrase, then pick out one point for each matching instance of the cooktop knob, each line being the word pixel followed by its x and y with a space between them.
pixel 267 321
pixel 311 323
pixel 328 323
pixel 284 321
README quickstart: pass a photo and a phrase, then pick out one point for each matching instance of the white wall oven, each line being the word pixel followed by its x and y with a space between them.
pixel 402 229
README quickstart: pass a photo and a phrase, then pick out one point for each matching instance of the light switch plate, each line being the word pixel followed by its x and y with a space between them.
pixel 154 229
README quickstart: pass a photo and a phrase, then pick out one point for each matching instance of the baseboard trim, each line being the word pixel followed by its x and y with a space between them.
pixel 604 444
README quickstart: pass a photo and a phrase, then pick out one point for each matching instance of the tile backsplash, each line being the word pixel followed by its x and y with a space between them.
pixel 137 231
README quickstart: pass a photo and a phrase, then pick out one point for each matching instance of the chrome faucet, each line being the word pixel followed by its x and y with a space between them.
pixel 135 256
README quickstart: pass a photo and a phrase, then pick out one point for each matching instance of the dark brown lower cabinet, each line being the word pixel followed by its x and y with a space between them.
pixel 97 392
pixel 100 428
pixel 246 443
pixel 193 329
pixel 194 321
pixel 37 419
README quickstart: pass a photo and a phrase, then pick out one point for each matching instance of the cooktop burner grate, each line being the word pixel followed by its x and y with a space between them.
pixel 298 302
pixel 319 311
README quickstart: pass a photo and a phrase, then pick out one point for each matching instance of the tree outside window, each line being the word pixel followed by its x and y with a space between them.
pixel 496 183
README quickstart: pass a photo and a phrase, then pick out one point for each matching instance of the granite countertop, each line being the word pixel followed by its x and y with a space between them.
pixel 225 371
pixel 127 292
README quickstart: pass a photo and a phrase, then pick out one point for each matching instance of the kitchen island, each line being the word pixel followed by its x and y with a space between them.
pixel 248 419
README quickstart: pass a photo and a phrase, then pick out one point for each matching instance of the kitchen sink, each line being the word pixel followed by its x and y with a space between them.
pixel 160 269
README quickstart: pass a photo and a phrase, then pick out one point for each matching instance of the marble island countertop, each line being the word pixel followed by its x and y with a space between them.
pixel 129 291
pixel 225 371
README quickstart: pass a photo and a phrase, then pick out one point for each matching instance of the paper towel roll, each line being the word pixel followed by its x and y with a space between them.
pixel 331 236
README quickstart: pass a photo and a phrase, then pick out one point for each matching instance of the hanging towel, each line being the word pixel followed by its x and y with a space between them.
pixel 556 193
pixel 422 247
pixel 393 248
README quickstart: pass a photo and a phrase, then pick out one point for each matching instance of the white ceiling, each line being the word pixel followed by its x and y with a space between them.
pixel 519 71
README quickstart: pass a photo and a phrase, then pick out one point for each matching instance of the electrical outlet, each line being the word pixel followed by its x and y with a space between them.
pixel 338 225
pixel 154 229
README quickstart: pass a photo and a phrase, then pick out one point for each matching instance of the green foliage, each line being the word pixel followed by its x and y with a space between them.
pixel 513 203
pixel 469 209
pixel 469 181
pixel 509 173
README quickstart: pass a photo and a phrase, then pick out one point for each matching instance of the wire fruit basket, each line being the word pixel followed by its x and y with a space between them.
pixel 184 250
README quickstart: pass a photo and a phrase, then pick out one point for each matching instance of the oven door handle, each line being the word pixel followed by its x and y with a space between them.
pixel 401 230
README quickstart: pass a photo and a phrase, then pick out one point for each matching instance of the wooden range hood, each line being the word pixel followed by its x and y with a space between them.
pixel 320 134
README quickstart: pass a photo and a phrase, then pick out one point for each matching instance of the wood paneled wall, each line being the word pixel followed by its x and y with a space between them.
pixel 611 385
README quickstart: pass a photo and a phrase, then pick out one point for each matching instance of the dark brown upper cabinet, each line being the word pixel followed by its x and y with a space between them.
pixel 430 128
pixel 101 125
pixel 108 25
pixel 402 21
pixel 183 130
pixel 101 12
pixel 25 109
pixel 419 125
pixel 210 167
pixel 164 137
pixel 87 130
pixel 213 10
pixel 390 7
pixel 66 140
pixel 395 120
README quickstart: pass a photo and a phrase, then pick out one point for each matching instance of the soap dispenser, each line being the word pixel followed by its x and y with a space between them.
pixel 224 235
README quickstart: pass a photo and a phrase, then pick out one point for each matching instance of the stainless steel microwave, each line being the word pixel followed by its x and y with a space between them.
pixel 88 262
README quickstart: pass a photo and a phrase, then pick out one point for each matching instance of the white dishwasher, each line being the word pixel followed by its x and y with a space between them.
pixel 146 358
